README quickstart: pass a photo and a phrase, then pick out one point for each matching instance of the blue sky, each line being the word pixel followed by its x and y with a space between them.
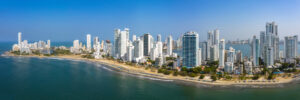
pixel 66 20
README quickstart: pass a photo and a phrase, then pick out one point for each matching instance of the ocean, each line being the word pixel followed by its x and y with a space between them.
pixel 25 78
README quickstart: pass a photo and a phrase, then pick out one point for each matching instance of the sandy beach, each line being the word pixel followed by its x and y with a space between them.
pixel 141 71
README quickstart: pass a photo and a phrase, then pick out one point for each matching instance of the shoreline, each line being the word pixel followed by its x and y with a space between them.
pixel 148 74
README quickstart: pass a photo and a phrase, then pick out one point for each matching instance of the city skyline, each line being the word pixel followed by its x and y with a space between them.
pixel 47 19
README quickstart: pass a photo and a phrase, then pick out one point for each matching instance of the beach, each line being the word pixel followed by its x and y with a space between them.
pixel 141 71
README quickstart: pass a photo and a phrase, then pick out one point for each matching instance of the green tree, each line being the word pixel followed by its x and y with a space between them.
pixel 213 77
pixel 201 76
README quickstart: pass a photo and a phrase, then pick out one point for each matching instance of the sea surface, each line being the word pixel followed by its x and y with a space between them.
pixel 25 78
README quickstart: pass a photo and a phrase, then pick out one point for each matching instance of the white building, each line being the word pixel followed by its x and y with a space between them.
pixel 169 45
pixel 216 41
pixel 88 42
pixel 96 39
pixel 48 44
pixel 228 67
pixel 19 39
pixel 154 52
pixel 231 55
pixel 255 51
pixel 199 56
pixel 121 42
pixel 130 52
pixel 159 45
pixel 222 53
pixel 248 67
pixel 97 51
pixel 290 47
pixel 138 49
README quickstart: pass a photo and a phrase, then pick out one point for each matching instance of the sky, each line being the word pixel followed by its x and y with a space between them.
pixel 67 20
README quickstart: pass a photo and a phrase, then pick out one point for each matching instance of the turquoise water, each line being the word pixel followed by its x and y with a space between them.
pixel 58 79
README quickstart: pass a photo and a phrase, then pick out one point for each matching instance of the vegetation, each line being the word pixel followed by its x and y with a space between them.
pixel 88 56
pixel 170 58
pixel 271 76
pixel 61 51
pixel 255 77
pixel 175 73
pixel 213 77
pixel 191 74
pixel 201 76
pixel 16 52
pixel 228 77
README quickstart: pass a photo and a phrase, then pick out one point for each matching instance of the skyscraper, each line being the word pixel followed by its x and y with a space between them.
pixel 199 56
pixel 116 43
pixel 210 42
pixel 190 49
pixel 272 31
pixel 270 42
pixel 88 42
pixel 231 55
pixel 203 46
pixel 216 42
pixel 262 43
pixel 216 37
pixel 148 43
pixel 96 39
pixel 130 52
pixel 48 43
pixel 159 45
pixel 290 47
pixel 222 53
pixel 121 42
pixel 269 60
pixel 19 39
pixel 138 49
pixel 169 45
pixel 255 51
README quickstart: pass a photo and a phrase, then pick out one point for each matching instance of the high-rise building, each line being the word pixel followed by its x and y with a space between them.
pixel 210 42
pixel 216 42
pixel 203 46
pixel 96 39
pixel 138 49
pixel 159 45
pixel 248 67
pixel 231 55
pixel 148 44
pixel 130 52
pixel 121 42
pixel 48 44
pixel 228 67
pixel 76 44
pixel 19 39
pixel 255 51
pixel 190 49
pixel 290 47
pixel 169 45
pixel 262 44
pixel 222 53
pixel 272 32
pixel 116 43
pixel 97 51
pixel 268 59
pixel 216 37
pixel 133 37
pixel 199 56
pixel 214 52
pixel 239 56
pixel 88 42
pixel 154 52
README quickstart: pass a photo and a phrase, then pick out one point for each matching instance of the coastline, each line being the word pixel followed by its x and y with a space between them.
pixel 141 71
